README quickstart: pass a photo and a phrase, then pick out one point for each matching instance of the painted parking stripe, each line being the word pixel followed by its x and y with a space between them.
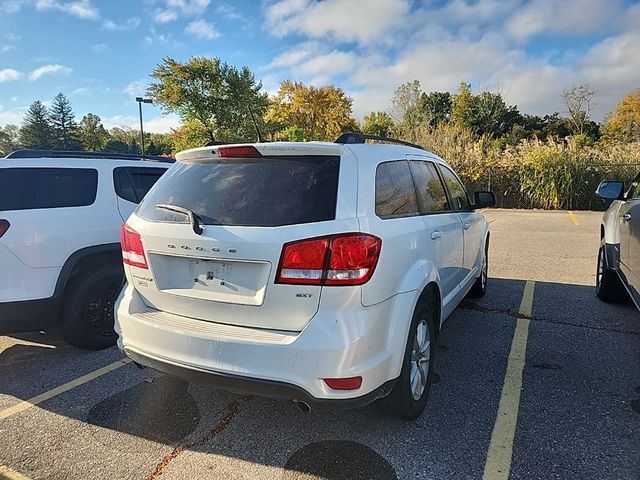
pixel 25 405
pixel 498 464
pixel 574 218
pixel 7 473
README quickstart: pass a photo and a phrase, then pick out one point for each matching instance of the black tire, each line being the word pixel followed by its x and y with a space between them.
pixel 401 402
pixel 609 287
pixel 87 314
pixel 479 287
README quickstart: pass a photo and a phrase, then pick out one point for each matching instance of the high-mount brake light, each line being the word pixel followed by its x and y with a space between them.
pixel 344 259
pixel 132 251
pixel 4 226
pixel 246 151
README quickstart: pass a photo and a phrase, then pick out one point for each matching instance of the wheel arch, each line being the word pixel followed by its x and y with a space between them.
pixel 84 259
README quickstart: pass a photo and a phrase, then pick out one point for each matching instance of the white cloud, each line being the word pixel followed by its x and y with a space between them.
pixel 13 115
pixel 129 24
pixel 11 6
pixel 174 9
pixel 49 70
pixel 158 124
pixel 136 88
pixel 10 74
pixel 80 8
pixel 566 17
pixel 155 38
pixel 100 47
pixel 342 20
pixel 202 29
pixel 7 48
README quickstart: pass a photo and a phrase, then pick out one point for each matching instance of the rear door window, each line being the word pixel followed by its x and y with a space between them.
pixel 395 192
pixel 262 192
pixel 430 191
pixel 33 188
pixel 133 183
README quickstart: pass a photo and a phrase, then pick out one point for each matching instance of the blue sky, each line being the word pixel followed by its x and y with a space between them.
pixel 100 53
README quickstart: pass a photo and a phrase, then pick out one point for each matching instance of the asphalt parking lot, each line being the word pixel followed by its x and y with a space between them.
pixel 537 380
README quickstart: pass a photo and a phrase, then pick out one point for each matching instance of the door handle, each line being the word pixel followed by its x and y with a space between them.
pixel 626 217
pixel 436 234
pixel 466 226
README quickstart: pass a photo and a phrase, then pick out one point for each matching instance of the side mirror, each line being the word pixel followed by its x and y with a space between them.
pixel 611 190
pixel 484 199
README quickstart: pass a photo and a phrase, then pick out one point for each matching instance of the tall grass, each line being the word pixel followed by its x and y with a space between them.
pixel 554 174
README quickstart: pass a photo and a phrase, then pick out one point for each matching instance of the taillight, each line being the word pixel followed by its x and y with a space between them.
pixel 4 226
pixel 244 151
pixel 345 259
pixel 351 383
pixel 132 251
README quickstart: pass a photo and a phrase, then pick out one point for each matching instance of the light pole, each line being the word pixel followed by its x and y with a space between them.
pixel 140 101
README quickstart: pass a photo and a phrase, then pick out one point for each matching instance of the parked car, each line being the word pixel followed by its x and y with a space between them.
pixel 318 272
pixel 60 256
pixel 618 271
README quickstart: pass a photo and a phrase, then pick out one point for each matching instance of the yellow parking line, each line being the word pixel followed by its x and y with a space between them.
pixel 498 464
pixel 7 473
pixel 574 218
pixel 26 404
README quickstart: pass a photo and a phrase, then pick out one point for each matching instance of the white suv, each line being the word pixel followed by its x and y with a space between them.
pixel 60 218
pixel 318 272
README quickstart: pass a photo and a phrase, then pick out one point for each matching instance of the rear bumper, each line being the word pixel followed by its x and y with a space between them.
pixel 344 339
pixel 252 386
pixel 29 315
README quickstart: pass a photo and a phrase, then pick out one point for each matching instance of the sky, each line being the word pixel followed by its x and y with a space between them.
pixel 100 53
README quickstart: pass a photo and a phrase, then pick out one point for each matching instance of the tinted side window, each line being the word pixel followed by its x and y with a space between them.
pixel 431 193
pixel 458 194
pixel 395 192
pixel 133 183
pixel 31 188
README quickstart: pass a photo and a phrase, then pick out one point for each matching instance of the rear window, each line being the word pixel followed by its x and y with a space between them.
pixel 133 183
pixel 260 192
pixel 31 188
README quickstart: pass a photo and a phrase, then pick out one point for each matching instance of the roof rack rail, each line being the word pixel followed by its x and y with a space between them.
pixel 352 137
pixel 30 153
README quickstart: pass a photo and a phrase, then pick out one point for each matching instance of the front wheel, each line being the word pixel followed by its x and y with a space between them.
pixel 609 287
pixel 409 396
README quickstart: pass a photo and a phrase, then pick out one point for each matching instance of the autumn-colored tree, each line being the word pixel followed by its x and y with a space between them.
pixel 623 125
pixel 191 134
pixel 216 94
pixel 311 113
pixel 378 123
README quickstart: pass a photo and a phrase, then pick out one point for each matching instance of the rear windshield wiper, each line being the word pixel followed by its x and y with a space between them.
pixel 194 218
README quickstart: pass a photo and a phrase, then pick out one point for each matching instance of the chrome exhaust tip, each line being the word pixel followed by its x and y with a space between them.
pixel 302 406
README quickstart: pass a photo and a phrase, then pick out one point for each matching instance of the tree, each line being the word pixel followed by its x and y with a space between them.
pixel 378 123
pixel 435 108
pixel 462 107
pixel 577 99
pixel 312 113
pixel 623 125
pixel 191 134
pixel 405 111
pixel 124 139
pixel 63 124
pixel 212 92
pixel 92 133
pixel 35 131
pixel 491 116
pixel 9 139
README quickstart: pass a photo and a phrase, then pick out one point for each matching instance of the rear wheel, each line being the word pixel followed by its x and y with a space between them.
pixel 409 396
pixel 87 316
pixel 609 287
